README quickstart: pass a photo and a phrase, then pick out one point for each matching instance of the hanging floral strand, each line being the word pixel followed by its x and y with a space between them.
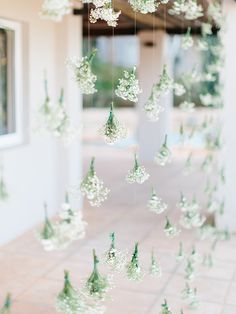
pixel 134 271
pixel 155 204
pixel 144 6
pixel 170 229
pixel 6 308
pixel 165 309
pixel 138 174
pixel 113 130
pixel 55 10
pixel 104 11
pixel 93 187
pixel 83 74
pixel 164 155
pixel 155 269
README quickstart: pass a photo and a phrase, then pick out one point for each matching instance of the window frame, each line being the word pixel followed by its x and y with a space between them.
pixel 16 87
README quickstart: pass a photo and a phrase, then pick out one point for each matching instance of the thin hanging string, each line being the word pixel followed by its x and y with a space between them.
pixel 154 44
pixel 112 63
pixel 89 46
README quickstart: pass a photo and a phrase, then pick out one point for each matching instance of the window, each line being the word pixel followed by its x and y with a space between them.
pixel 10 84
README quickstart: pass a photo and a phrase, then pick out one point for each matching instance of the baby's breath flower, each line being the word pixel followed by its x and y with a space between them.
pixel 187 40
pixel 215 12
pixel 189 295
pixel 134 271
pixel 55 9
pixel 97 285
pixel 202 44
pixel 188 166
pixel 190 271
pixel 164 154
pixel 165 309
pixel 93 187
pixel 179 89
pixel 47 236
pixel 106 13
pixel 165 83
pixel 144 6
pixel 138 174
pixel 180 254
pixel 155 269
pixel 153 107
pixel 128 87
pixel 179 7
pixel 155 204
pixel 83 74
pixel 170 229
pixel 113 130
pixel 187 105
pixel 193 10
pixel 207 164
pixel 6 308
pixel 114 258
pixel 206 29
pixel 69 300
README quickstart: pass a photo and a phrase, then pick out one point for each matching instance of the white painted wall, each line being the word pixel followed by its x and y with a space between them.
pixel 229 114
pixel 39 169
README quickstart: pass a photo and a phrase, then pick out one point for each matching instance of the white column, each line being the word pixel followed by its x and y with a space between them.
pixel 69 43
pixel 229 116
pixel 153 55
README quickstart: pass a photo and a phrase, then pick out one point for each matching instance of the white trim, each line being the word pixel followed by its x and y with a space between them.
pixel 16 138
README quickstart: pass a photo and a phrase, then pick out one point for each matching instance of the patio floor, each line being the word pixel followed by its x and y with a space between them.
pixel 34 277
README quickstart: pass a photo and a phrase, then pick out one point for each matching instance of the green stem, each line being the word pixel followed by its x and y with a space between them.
pixel 92 55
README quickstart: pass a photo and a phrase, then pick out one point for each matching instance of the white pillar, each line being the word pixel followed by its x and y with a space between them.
pixel 153 55
pixel 69 44
pixel 229 114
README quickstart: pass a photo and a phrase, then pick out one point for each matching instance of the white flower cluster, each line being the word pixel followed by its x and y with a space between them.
pixel 189 8
pixel 190 296
pixel 187 105
pixel 187 40
pixel 93 187
pixel 164 154
pixel 68 228
pixel 190 217
pixel 155 269
pixel 115 259
pixel 113 130
pixel 83 74
pixel 188 166
pixel 144 6
pixel 179 89
pixel 104 11
pixel 215 12
pixel 55 9
pixel 55 120
pixel 190 270
pixel 133 269
pixel 170 229
pixel 138 174
pixel 128 87
pixel 180 254
pixel 153 107
pixel 155 204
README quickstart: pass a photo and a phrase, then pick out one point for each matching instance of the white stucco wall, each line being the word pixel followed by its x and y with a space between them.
pixel 39 169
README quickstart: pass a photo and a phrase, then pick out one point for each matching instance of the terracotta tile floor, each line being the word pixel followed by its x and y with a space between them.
pixel 34 277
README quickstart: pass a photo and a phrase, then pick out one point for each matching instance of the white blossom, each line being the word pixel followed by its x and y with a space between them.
pixel 170 229
pixel 106 13
pixel 144 6
pixel 187 40
pixel 155 204
pixel 153 107
pixel 179 89
pixel 187 106
pixel 113 130
pixel 163 156
pixel 128 87
pixel 193 10
pixel 138 174
pixel 83 74
pixel 93 187
pixel 55 9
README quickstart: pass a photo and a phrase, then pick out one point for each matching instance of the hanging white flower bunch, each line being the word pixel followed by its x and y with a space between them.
pixel 170 229
pixel 179 89
pixel 187 106
pixel 83 74
pixel 55 10
pixel 207 260
pixel 115 259
pixel 113 130
pixel 104 11
pixel 133 269
pixel 207 164
pixel 128 87
pixel 165 309
pixel 187 40
pixel 190 296
pixel 138 174
pixel 190 217
pixel 164 154
pixel 188 166
pixel 190 9
pixel 165 83
pixel 155 269
pixel 215 12
pixel 180 254
pixel 93 187
pixel 153 107
pixel 71 226
pixel 155 203
pixel 55 120
pixel 190 271
pixel 144 6
pixel 202 44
